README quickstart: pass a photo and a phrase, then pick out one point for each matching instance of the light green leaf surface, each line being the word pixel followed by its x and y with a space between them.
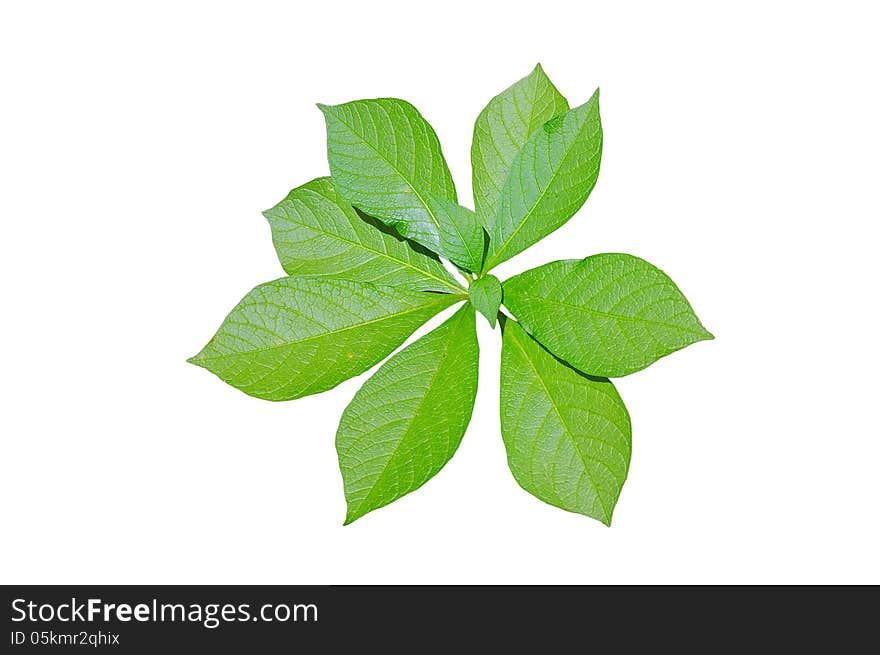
pixel 302 335
pixel 485 295
pixel 386 160
pixel 568 436
pixel 316 232
pixel 608 315
pixel 461 237
pixel 502 129
pixel 549 180
pixel 407 420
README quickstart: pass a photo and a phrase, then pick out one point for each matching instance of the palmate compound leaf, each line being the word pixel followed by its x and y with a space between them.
pixel 357 291
pixel 485 294
pixel 303 335
pixel 568 436
pixel 385 159
pixel 502 129
pixel 316 232
pixel 608 315
pixel 549 180
pixel 407 420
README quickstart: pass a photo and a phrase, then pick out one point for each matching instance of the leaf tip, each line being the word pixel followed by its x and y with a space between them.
pixel 198 359
pixel 605 517
pixel 704 334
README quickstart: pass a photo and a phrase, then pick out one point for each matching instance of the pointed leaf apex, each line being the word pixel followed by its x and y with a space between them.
pixel 572 318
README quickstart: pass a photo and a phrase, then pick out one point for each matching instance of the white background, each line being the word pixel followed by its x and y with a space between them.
pixel 138 146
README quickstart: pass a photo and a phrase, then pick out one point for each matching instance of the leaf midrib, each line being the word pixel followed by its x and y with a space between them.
pixel 197 359
pixel 583 458
pixel 461 238
pixel 386 255
pixel 622 317
pixel 447 349
pixel 494 259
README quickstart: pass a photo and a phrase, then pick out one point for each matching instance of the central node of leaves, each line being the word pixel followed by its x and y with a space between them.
pixel 485 295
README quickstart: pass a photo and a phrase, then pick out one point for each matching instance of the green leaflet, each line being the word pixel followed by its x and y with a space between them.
pixel 548 181
pixel 567 435
pixel 386 160
pixel 485 295
pixel 461 235
pixel 316 232
pixel 407 420
pixel 607 315
pixel 302 335
pixel 502 129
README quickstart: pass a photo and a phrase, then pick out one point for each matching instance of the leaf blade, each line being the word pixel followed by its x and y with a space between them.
pixel 501 130
pixel 568 436
pixel 386 160
pixel 409 417
pixel 460 235
pixel 301 335
pixel 549 180
pixel 609 315
pixel 317 232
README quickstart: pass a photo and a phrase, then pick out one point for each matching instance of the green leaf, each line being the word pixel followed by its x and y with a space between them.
pixel 302 335
pixel 608 315
pixel 485 295
pixel 502 129
pixel 568 436
pixel 407 420
pixel 462 239
pixel 316 232
pixel 386 160
pixel 549 180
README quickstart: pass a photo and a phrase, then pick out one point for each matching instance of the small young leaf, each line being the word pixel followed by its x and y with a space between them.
pixel 549 180
pixel 485 295
pixel 407 420
pixel 607 315
pixel 316 232
pixel 386 160
pixel 502 129
pixel 568 436
pixel 302 335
